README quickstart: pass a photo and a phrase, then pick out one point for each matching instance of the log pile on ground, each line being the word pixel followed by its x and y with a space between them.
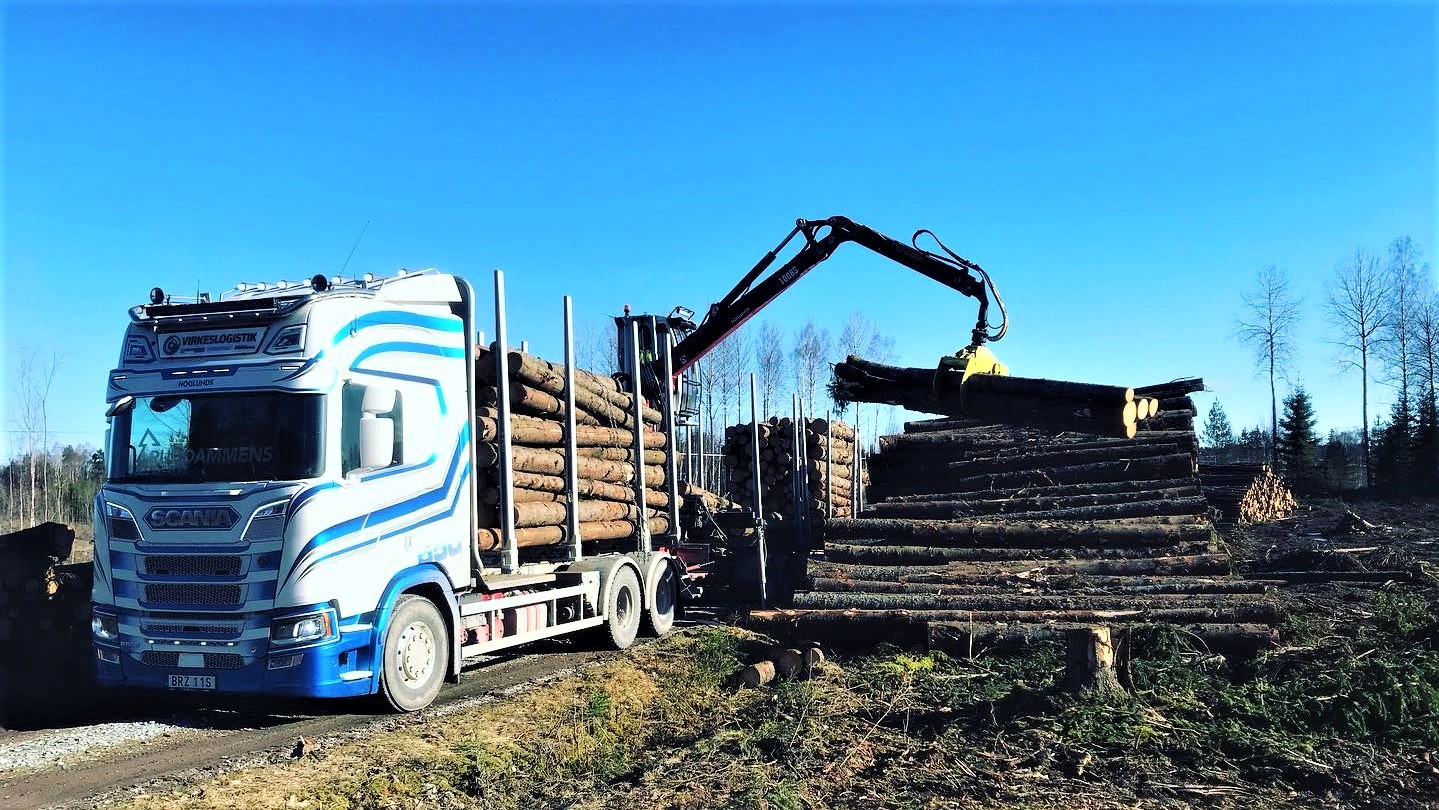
pixel 1176 410
pixel 606 467
pixel 825 459
pixel 997 527
pixel 1102 410
pixel 1246 493
pixel 44 614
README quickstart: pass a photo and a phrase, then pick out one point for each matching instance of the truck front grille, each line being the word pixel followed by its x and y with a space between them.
pixel 166 658
pixel 194 594
pixel 193 565
pixel 209 630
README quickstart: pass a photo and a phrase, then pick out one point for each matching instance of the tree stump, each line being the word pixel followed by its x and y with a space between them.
pixel 1091 663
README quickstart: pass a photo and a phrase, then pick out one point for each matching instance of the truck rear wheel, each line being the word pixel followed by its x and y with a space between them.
pixel 415 655
pixel 663 600
pixel 622 609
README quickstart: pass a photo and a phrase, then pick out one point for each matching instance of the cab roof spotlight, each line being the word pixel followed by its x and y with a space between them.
pixel 319 283
pixel 157 295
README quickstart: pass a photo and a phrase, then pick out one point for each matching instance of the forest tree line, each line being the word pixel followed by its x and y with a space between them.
pixel 1382 319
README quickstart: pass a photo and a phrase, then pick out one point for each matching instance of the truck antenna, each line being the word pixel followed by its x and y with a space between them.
pixel 352 247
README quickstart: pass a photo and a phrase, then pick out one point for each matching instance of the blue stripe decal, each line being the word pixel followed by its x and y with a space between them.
pixel 454 504
pixel 397 317
pixel 304 497
pixel 389 471
pixel 402 346
pixel 392 512
pixel 306 366
pixel 439 391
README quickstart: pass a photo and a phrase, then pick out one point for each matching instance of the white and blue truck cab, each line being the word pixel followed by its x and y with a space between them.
pixel 290 506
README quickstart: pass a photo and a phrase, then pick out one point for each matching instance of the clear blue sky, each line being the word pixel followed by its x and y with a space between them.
pixel 1123 171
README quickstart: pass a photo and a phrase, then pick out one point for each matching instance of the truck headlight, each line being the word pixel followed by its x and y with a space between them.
pixel 304 628
pixel 105 626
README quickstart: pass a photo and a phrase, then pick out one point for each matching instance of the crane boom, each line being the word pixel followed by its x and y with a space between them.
pixel 752 293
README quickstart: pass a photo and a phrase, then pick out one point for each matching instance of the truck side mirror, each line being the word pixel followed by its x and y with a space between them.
pixel 377 441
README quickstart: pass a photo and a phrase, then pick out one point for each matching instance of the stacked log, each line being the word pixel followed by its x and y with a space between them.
pixel 998 526
pixel 1175 409
pixel 826 460
pixel 1246 493
pixel 1103 410
pixel 44 616
pixel 606 465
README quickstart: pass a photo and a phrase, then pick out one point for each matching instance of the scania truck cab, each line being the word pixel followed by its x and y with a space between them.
pixel 291 501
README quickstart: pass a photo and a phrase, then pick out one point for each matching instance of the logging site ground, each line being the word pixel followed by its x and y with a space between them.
pixel 1344 713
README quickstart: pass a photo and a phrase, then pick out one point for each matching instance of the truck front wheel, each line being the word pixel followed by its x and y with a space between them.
pixel 415 655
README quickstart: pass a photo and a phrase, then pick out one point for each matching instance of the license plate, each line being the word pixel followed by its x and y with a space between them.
pixel 191 682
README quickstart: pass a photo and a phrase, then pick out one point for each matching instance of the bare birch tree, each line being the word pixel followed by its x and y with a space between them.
pixel 1358 303
pixel 1266 327
pixel 861 337
pixel 771 364
pixel 1398 342
pixel 811 362
pixel 34 383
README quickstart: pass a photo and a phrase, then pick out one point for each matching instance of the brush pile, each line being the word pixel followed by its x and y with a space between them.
pixel 1247 493
pixel 821 452
pixel 607 466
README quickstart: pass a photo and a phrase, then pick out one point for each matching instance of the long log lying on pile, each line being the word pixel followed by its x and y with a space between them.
pixel 1124 488
pixel 1159 467
pixel 1012 533
pixel 823 600
pixel 1163 566
pixel 598 399
pixel 1047 459
pixel 946 510
pixel 939 555
pixel 1049 404
pixel 1023 506
pixel 885 621
pixel 1069 588
pixel 969 638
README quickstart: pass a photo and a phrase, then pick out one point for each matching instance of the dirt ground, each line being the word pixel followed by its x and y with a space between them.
pixel 1344 714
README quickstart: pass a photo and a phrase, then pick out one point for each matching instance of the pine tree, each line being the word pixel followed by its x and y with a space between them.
pixel 1298 445
pixel 1218 433
pixel 1253 445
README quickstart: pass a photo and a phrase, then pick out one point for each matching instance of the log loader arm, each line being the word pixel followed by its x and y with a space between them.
pixel 752 293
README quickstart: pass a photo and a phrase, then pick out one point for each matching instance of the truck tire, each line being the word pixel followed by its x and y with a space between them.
pixel 415 655
pixel 664 597
pixel 623 607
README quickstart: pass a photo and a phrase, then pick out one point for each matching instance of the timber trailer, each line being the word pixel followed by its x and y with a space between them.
pixel 292 498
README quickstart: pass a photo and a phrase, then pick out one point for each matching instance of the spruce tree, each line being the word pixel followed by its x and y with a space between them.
pixel 1426 445
pixel 1218 433
pixel 1394 465
pixel 1339 462
pixel 1298 446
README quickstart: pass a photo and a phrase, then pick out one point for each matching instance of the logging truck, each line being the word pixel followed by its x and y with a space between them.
pixel 293 503
pixel 329 488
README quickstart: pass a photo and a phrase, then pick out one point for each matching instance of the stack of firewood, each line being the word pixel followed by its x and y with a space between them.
pixel 606 468
pixel 1247 493
pixel 826 460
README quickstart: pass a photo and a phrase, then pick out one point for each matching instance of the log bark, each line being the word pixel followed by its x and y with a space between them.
pixel 817 622
pixel 824 600
pixel 966 639
pixel 535 432
pixel 1022 506
pixel 920 586
pixel 1013 533
pixel 1144 508
pixel 930 555
pixel 1053 491
pixel 1173 466
pixel 490 539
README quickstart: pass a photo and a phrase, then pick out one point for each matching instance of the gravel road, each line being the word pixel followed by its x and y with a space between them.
pixel 89 765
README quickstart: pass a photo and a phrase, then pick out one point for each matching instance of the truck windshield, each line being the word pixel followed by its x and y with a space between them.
pixel 196 438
